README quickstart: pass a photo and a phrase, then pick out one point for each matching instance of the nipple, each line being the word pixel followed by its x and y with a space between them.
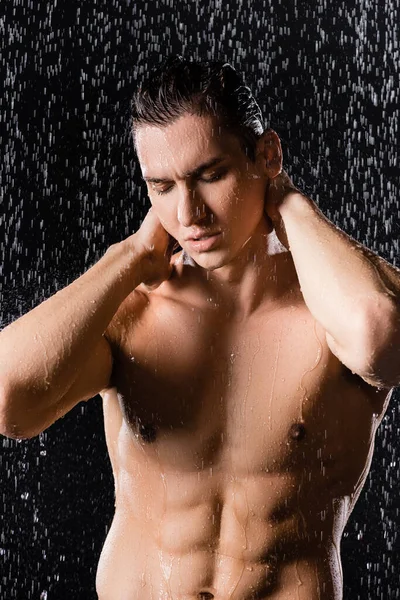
pixel 297 431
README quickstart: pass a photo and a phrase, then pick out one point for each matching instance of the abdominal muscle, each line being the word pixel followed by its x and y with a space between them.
pixel 193 536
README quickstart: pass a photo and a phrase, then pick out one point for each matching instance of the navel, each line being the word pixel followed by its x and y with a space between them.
pixel 205 596
pixel 297 431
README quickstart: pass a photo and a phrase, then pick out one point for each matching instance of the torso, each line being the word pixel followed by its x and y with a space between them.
pixel 238 448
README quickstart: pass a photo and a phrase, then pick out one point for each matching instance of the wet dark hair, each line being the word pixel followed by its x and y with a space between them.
pixel 180 86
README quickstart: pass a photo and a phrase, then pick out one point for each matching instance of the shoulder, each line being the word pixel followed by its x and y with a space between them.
pixel 127 316
pixel 140 301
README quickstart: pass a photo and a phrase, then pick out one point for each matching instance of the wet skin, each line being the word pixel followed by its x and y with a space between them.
pixel 238 441
pixel 238 444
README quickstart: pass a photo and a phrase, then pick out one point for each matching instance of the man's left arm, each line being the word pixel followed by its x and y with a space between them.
pixel 352 292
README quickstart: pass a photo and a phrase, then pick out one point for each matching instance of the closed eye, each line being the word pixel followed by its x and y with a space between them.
pixel 211 179
pixel 215 177
pixel 161 192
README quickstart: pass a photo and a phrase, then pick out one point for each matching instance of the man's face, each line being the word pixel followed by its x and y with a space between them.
pixel 199 183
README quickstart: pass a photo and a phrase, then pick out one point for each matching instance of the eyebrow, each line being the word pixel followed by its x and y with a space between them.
pixel 193 173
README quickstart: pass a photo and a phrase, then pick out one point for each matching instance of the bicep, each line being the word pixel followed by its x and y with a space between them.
pixel 96 373
pixel 93 377
pixel 353 361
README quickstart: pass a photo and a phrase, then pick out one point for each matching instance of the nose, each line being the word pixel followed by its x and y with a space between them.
pixel 191 207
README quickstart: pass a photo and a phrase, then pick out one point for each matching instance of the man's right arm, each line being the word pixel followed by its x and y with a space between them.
pixel 56 355
pixel 60 343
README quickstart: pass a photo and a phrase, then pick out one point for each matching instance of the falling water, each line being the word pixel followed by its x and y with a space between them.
pixel 326 76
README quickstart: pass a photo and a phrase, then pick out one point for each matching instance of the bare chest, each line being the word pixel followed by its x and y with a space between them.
pixel 196 392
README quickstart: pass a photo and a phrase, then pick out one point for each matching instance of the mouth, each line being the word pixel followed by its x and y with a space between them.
pixel 205 242
pixel 203 237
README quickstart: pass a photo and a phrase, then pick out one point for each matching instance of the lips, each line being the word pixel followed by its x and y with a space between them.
pixel 201 235
pixel 205 242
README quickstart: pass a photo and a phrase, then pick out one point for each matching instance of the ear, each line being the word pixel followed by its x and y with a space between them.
pixel 270 153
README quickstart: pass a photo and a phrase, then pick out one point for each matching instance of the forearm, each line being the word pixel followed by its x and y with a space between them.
pixel 338 276
pixel 41 352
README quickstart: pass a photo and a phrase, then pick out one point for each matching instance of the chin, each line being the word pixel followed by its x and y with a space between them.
pixel 210 261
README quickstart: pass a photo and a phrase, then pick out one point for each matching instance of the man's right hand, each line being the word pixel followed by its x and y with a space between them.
pixel 155 246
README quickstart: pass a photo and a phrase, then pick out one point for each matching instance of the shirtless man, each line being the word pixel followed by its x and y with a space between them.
pixel 243 378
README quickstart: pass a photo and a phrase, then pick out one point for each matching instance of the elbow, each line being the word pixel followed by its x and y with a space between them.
pixel 10 426
pixel 12 431
pixel 14 435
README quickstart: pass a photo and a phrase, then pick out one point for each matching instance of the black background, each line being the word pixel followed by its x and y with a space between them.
pixel 326 76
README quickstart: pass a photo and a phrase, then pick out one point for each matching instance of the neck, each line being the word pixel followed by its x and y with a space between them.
pixel 256 274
